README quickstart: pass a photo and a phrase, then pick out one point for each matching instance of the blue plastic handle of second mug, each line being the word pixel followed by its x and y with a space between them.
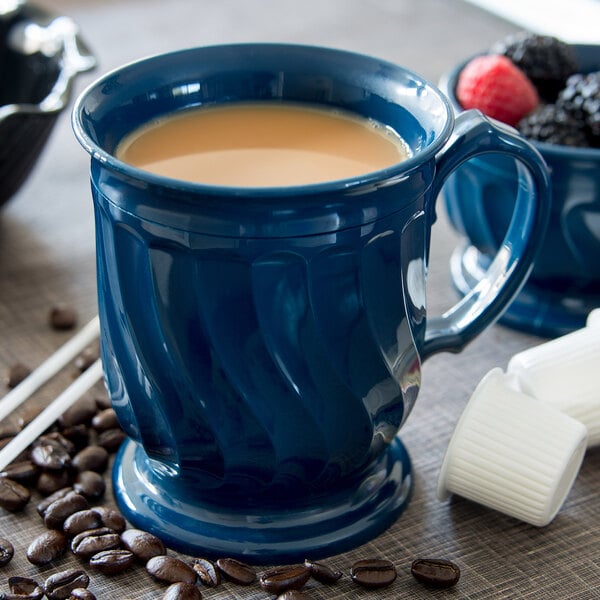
pixel 473 135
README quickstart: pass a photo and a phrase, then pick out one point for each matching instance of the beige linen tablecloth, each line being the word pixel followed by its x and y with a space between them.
pixel 47 256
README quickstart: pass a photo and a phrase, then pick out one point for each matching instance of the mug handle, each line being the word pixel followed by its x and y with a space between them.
pixel 475 134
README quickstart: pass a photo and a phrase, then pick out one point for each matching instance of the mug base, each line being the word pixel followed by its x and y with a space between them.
pixel 317 527
pixel 535 310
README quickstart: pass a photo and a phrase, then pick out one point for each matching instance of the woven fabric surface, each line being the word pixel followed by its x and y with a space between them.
pixel 47 256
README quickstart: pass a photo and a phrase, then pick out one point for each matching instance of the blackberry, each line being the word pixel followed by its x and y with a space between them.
pixel 581 99
pixel 553 125
pixel 546 60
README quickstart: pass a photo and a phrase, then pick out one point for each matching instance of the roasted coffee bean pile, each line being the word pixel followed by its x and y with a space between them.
pixel 67 467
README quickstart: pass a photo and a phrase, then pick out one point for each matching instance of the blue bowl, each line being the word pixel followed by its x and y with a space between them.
pixel 564 285
pixel 40 55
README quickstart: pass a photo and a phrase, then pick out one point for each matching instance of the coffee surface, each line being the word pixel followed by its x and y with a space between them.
pixel 262 145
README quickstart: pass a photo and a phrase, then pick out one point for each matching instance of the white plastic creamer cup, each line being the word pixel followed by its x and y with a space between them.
pixel 513 453
pixel 565 372
pixel 593 318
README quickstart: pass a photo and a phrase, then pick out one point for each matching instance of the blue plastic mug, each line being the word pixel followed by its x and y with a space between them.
pixel 262 347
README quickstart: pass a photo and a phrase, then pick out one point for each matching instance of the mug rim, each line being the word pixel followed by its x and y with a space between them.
pixel 395 172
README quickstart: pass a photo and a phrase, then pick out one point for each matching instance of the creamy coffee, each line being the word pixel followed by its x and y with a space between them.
pixel 262 144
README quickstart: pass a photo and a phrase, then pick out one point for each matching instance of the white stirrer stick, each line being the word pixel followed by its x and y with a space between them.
pixel 49 368
pixel 50 414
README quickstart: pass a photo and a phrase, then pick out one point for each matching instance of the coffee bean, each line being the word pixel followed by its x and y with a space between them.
pixel 23 471
pixel 105 419
pixel 46 502
pixel 90 485
pixel 28 415
pixel 87 358
pixel 60 439
pixel 207 572
pixel 81 594
pixel 50 454
pixel 236 571
pixel 112 562
pixel 13 495
pixel 92 458
pixel 81 413
pixel 60 585
pixel 6 441
pixel 8 430
pixel 62 317
pixel 87 543
pixel 322 572
pixel 56 513
pixel 292 595
pixel 142 544
pixel 170 570
pixel 111 439
pixel 280 579
pixel 49 482
pixel 373 573
pixel 103 402
pixel 7 551
pixel 23 588
pixel 16 373
pixel 436 572
pixel 83 520
pixel 47 547
pixel 79 435
pixel 182 591
pixel 111 518
pixel 60 509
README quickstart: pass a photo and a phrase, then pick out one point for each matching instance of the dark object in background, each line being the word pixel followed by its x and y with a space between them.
pixel 40 55
pixel 547 61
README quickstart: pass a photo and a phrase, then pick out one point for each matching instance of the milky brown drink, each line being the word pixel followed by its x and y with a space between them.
pixel 262 144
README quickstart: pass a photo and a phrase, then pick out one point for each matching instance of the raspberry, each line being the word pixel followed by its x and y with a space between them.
pixel 499 89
